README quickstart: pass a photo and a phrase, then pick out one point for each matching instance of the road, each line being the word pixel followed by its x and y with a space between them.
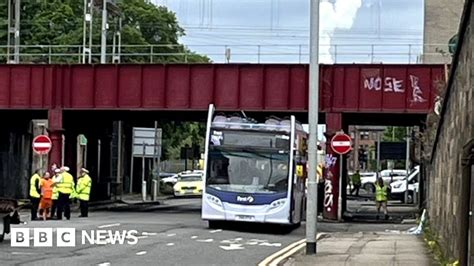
pixel 167 236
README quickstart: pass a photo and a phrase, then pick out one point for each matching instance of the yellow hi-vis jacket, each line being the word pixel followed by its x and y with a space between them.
pixel 66 185
pixel 34 186
pixel 83 188
pixel 381 193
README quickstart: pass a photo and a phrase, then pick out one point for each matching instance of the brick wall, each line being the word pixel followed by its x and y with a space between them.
pixel 444 181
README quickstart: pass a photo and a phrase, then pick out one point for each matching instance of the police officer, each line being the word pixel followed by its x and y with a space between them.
pixel 65 188
pixel 381 197
pixel 83 190
pixel 35 194
pixel 56 179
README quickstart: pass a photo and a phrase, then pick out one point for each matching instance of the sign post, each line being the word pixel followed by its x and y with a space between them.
pixel 42 145
pixel 341 144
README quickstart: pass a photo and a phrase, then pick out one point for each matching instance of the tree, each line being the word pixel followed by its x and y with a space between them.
pixel 396 134
pixel 60 22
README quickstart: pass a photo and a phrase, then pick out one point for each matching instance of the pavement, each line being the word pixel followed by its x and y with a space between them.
pixel 367 248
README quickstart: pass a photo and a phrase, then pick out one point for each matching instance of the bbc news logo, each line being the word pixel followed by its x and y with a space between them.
pixel 66 237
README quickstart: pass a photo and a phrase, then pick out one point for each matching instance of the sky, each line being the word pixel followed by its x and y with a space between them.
pixel 278 30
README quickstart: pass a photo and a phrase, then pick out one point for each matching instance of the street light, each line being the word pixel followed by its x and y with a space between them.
pixel 312 206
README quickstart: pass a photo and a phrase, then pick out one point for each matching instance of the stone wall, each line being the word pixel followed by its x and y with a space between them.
pixel 456 129
pixel 440 24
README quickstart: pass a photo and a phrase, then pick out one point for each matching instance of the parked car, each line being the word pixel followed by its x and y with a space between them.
pixel 388 176
pixel 171 180
pixel 399 187
pixel 189 185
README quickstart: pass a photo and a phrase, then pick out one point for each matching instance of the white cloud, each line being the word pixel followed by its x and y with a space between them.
pixel 335 14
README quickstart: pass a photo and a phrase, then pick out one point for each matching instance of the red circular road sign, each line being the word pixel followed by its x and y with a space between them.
pixel 341 143
pixel 42 144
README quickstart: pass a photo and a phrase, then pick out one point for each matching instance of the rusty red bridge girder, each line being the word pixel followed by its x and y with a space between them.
pixel 366 88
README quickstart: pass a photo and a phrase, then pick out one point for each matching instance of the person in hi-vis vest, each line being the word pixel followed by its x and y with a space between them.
pixel 35 194
pixel 83 191
pixel 65 188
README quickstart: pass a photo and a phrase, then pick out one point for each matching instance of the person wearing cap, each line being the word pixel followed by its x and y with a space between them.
pixel 57 178
pixel 65 189
pixel 83 190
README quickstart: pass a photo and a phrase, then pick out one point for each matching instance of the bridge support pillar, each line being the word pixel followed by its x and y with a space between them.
pixel 332 169
pixel 55 117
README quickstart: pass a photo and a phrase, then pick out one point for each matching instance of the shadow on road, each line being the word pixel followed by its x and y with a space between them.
pixel 272 229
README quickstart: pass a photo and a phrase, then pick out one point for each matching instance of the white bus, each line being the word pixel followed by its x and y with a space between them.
pixel 254 172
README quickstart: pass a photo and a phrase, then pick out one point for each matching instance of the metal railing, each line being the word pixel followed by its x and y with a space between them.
pixel 277 53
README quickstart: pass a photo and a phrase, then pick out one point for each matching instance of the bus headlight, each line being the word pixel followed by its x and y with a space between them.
pixel 277 204
pixel 214 200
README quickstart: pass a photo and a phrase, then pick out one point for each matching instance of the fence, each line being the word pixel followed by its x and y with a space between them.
pixel 277 53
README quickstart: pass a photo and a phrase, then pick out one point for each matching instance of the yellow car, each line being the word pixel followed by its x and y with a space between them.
pixel 188 185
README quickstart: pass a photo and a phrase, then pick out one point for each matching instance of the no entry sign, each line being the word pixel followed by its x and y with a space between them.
pixel 42 144
pixel 341 143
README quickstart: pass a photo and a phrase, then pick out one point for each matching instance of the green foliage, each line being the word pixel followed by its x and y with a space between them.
pixel 433 240
pixel 397 134
pixel 177 134
pixel 60 22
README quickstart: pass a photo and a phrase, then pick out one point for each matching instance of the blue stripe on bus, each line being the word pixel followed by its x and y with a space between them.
pixel 258 198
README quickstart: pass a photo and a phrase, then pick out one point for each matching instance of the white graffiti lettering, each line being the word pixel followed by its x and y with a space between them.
pixel 393 85
pixel 390 84
pixel 373 83
pixel 417 94
pixel 328 196
pixel 330 161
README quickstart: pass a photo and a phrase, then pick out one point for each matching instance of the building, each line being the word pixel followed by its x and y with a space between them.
pixel 440 25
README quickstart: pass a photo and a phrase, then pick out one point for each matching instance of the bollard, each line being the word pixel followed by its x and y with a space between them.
pixel 144 191
pixel 155 189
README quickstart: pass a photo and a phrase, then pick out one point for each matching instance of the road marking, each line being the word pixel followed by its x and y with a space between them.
pixel 23 253
pixel 170 244
pixel 285 252
pixel 108 225
pixel 148 234
pixel 104 264
pixel 215 231
pixel 232 247
pixel 205 240
pixel 194 237
pixel 140 253
pixel 270 244
pixel 170 234
pixel 142 237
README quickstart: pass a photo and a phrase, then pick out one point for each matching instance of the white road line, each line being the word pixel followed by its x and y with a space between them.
pixel 108 225
pixel 104 264
pixel 142 237
pixel 141 253
pixel 170 244
pixel 148 234
pixel 23 253
pixel 205 240
pixel 170 234
pixel 215 231
pixel 194 237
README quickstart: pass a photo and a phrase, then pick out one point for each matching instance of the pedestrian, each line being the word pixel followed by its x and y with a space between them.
pixel 65 189
pixel 46 202
pixel 381 197
pixel 356 183
pixel 35 194
pixel 56 179
pixel 83 190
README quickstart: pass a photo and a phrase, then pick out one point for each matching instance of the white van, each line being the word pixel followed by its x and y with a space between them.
pixel 388 176
pixel 399 187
